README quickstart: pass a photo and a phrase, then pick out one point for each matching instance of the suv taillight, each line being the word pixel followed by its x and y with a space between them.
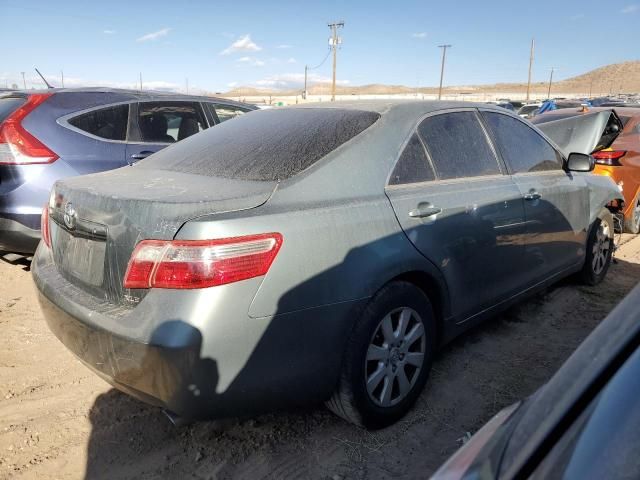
pixel 19 147
pixel 44 226
pixel 609 157
pixel 200 263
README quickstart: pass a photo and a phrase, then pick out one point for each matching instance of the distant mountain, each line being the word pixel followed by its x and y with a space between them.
pixel 615 78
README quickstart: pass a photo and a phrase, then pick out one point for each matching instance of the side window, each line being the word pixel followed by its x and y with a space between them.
pixel 227 112
pixel 522 147
pixel 109 123
pixel 168 122
pixel 458 146
pixel 413 165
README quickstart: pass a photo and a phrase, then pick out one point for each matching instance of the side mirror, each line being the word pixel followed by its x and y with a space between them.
pixel 579 162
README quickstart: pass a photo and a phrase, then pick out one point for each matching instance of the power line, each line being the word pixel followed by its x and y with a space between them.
pixel 306 68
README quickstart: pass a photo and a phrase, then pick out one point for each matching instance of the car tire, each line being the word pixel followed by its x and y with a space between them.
pixel 599 251
pixel 632 224
pixel 388 357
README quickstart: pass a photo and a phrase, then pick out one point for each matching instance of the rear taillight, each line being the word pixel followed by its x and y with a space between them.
pixel 19 147
pixel 44 226
pixel 609 157
pixel 200 263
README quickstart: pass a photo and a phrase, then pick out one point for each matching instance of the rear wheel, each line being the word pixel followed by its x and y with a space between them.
pixel 388 357
pixel 599 251
pixel 632 223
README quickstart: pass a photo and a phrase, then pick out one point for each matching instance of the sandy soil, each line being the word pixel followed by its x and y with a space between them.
pixel 57 420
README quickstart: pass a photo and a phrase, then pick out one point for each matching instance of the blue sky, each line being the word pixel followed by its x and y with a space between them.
pixel 221 44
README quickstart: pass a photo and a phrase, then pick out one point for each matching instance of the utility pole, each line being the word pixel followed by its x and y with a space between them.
pixel 334 41
pixel 444 56
pixel 304 92
pixel 530 67
pixel 24 83
pixel 590 87
pixel 550 82
pixel 62 78
pixel 140 81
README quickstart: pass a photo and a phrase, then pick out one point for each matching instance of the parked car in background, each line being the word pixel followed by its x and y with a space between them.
pixel 612 135
pixel 313 253
pixel 583 424
pixel 52 134
pixel 528 110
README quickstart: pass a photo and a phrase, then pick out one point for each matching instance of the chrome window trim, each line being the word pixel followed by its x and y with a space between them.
pixel 63 121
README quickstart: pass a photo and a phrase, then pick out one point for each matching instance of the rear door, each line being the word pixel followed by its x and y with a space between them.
pixel 456 205
pixel 556 202
pixel 156 125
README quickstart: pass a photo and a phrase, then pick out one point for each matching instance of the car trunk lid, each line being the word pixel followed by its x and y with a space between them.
pixel 97 220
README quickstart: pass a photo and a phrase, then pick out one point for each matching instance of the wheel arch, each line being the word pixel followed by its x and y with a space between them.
pixel 435 290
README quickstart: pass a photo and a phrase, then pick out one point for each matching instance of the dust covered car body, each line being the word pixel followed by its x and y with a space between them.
pixel 316 253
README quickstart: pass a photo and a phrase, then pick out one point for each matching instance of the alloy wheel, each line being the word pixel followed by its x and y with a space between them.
pixel 395 357
pixel 601 248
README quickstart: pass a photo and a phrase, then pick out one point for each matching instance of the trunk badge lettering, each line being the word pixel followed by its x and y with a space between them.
pixel 70 216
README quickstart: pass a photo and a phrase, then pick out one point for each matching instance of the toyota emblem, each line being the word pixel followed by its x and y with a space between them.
pixel 70 216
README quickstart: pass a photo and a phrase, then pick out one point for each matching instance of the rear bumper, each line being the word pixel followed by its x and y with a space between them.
pixel 197 353
pixel 15 236
pixel 170 377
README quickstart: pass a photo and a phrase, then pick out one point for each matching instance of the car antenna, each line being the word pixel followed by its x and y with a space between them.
pixel 43 79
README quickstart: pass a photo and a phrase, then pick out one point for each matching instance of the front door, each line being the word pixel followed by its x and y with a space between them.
pixel 556 202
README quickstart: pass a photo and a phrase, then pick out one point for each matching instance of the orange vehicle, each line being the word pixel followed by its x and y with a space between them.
pixel 612 136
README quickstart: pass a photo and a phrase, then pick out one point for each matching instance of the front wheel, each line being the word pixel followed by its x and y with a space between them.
pixel 599 251
pixel 388 357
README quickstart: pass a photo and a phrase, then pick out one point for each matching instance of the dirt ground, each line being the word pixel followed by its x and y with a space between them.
pixel 58 420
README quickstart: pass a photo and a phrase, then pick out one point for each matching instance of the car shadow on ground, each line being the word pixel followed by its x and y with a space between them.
pixel 18 259
pixel 487 368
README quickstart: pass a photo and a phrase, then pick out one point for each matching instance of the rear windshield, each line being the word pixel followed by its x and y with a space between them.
pixel 8 105
pixel 264 145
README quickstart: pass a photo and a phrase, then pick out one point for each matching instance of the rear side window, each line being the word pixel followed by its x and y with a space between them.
pixel 413 165
pixel 264 145
pixel 109 123
pixel 227 112
pixel 8 105
pixel 169 122
pixel 522 147
pixel 458 146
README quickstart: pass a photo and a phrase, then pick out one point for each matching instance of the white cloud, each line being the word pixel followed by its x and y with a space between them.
pixel 284 46
pixel 243 44
pixel 291 60
pixel 154 35
pixel 254 62
pixel 630 8
pixel 109 32
pixel 232 84
pixel 419 35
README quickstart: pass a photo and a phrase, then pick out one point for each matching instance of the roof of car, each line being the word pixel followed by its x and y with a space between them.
pixel 134 94
pixel 406 105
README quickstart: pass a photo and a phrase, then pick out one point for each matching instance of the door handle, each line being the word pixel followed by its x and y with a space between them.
pixel 532 195
pixel 141 155
pixel 424 210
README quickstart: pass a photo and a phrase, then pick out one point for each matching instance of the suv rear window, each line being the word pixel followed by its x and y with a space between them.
pixel 8 105
pixel 109 123
pixel 264 145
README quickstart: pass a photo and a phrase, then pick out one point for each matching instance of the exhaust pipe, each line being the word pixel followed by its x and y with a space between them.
pixel 175 419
